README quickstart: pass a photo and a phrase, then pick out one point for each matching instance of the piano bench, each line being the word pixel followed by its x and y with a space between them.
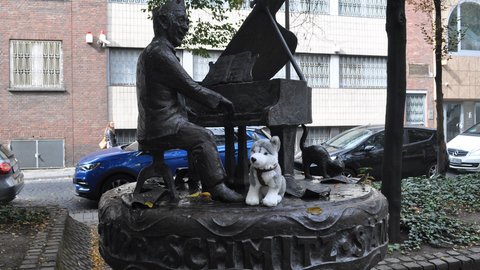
pixel 157 168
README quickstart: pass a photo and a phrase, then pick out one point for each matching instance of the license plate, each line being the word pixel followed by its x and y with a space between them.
pixel 456 160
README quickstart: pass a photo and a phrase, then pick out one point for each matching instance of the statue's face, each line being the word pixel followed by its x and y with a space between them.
pixel 178 28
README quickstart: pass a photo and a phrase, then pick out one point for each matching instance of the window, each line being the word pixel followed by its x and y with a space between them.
pixel 126 136
pixel 129 1
pixel 36 65
pixel 477 113
pixel 378 141
pixel 200 64
pixel 362 8
pixel 300 6
pixel 310 7
pixel 363 72
pixel 415 109
pixel 123 66
pixel 315 68
pixel 5 153
pixel 317 135
pixel 464 28
pixel 417 135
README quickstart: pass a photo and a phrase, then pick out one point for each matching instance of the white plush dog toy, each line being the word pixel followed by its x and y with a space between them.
pixel 266 179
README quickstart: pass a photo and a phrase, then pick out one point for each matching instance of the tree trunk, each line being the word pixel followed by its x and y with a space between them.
pixel 396 92
pixel 441 157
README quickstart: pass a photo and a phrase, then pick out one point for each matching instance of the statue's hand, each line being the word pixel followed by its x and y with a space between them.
pixel 226 105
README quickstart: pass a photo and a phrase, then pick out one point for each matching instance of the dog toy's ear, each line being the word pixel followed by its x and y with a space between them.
pixel 275 140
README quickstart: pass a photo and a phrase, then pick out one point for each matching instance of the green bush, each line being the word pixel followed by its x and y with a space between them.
pixel 431 207
pixel 22 216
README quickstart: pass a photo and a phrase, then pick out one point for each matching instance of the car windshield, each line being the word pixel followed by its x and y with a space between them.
pixel 349 139
pixel 473 131
pixel 131 147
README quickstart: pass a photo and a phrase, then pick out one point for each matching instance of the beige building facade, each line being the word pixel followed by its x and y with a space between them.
pixel 461 72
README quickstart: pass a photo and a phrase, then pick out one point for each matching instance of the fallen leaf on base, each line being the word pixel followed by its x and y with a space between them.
pixel 314 210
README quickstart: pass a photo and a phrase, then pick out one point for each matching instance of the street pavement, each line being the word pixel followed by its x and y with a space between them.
pixel 46 187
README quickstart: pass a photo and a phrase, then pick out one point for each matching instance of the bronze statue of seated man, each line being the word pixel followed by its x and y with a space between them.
pixel 162 84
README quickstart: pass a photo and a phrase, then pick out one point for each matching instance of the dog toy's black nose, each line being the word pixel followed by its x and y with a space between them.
pixel 253 159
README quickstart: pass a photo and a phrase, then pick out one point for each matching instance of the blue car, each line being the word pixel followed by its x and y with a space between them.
pixel 105 169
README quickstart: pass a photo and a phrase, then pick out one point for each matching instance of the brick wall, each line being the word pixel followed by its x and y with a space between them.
pixel 420 54
pixel 78 114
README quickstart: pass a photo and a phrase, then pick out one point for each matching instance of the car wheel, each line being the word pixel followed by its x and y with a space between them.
pixel 116 181
pixel 349 172
pixel 431 170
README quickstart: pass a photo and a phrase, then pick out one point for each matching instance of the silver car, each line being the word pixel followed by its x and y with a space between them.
pixel 11 177
pixel 464 150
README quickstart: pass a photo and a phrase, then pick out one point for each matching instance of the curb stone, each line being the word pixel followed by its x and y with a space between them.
pixel 75 253
pixel 464 259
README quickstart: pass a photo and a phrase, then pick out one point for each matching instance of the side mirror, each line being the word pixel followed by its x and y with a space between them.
pixel 369 148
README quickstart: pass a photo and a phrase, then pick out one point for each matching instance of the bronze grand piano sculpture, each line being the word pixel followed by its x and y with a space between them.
pixel 348 231
pixel 243 73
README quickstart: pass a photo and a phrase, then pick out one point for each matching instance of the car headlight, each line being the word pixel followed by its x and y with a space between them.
pixel 89 167
pixel 333 157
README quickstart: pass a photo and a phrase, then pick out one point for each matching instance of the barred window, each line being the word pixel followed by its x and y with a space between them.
pixel 415 109
pixel 363 8
pixel 363 72
pixel 123 66
pixel 200 64
pixel 310 7
pixel 125 136
pixel 315 68
pixel 36 64
pixel 129 1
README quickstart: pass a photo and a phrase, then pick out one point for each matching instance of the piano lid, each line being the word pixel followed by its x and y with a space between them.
pixel 258 36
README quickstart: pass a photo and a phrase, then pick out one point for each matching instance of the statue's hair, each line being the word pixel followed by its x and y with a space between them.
pixel 165 11
pixel 169 7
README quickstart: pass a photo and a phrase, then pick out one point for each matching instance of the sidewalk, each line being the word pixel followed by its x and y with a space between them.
pixel 31 174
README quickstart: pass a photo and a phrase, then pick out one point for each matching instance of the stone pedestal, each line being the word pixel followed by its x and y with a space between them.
pixel 348 231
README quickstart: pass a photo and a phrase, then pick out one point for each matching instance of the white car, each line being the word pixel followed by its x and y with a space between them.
pixel 464 150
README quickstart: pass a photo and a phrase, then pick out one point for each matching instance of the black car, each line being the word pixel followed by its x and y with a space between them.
pixel 11 177
pixel 362 147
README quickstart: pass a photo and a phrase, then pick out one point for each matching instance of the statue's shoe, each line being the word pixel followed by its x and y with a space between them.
pixel 222 193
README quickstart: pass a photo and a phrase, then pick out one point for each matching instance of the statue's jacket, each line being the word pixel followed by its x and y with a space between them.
pixel 162 83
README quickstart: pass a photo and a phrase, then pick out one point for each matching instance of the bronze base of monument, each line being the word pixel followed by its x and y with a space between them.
pixel 348 231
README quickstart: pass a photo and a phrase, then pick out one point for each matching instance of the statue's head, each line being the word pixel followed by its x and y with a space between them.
pixel 171 20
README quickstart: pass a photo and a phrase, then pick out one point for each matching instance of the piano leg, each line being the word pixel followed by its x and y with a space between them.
pixel 237 174
pixel 287 135
pixel 242 183
pixel 286 157
pixel 230 154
